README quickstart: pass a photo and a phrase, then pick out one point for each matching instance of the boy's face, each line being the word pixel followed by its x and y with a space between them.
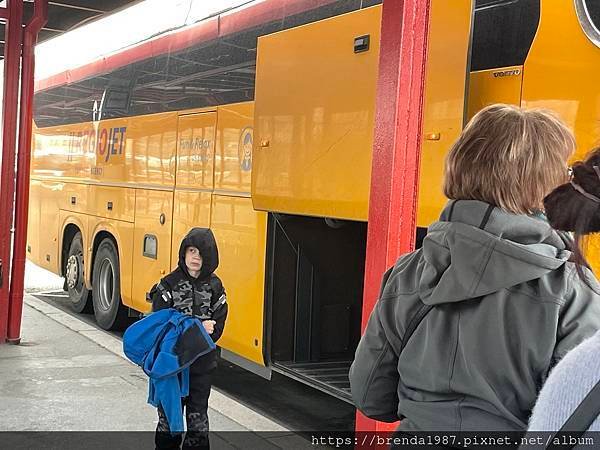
pixel 193 259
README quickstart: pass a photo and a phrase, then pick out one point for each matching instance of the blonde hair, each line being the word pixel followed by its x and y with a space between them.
pixel 509 157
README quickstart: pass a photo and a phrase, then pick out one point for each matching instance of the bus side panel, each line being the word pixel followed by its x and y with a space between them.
pixel 314 117
pixel 64 151
pixel 151 243
pixel 150 149
pixel 196 151
pixel 444 109
pixel 560 70
pixel 195 175
pixel 241 235
pixel 240 232
pixel 127 150
pixel 192 209
pixel 122 232
pixel 560 74
pixel 233 155
pixel 487 87
pixel 49 251
pixel 116 203
pixel 76 197
pixel 33 222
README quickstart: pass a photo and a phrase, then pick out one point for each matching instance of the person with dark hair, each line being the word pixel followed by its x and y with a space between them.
pixel 467 327
pixel 574 207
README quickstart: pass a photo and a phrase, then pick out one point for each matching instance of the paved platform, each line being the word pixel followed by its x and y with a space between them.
pixel 67 375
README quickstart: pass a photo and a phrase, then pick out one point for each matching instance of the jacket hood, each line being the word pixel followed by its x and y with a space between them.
pixel 204 240
pixel 476 249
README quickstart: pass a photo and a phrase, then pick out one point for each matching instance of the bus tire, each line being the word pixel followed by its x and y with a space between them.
pixel 106 287
pixel 79 294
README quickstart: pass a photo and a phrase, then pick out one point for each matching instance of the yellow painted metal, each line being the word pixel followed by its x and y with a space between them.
pixel 312 152
pixel 122 151
pixel 241 235
pixel 560 74
pixel 195 175
pixel 444 108
pixel 240 231
pixel 112 202
pixel 153 222
pixel 192 209
pixel 84 167
pixel 195 150
pixel 314 115
pixel 486 87
pixel 45 253
pixel 33 222
pixel 76 197
pixel 233 155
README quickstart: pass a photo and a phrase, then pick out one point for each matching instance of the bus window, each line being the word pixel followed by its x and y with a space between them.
pixel 503 32
pixel 588 12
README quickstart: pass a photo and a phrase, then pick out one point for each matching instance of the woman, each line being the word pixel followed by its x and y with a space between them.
pixel 490 302
pixel 575 207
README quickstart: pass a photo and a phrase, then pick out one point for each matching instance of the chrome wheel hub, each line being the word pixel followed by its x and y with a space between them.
pixel 106 288
pixel 72 274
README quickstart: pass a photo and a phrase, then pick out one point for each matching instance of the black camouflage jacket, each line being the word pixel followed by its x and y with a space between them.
pixel 203 297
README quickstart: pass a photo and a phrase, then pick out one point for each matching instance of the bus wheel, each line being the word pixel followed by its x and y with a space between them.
pixel 106 287
pixel 74 277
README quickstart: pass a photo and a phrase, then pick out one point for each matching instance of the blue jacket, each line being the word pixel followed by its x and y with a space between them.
pixel 165 344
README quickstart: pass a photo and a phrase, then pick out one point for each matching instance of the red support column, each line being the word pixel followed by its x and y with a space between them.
pixel 12 59
pixel 396 148
pixel 32 29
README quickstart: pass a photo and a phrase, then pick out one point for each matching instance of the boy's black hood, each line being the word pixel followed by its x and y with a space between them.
pixel 204 240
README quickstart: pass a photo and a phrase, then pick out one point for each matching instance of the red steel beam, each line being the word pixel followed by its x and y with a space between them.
pixel 396 148
pixel 12 52
pixel 39 18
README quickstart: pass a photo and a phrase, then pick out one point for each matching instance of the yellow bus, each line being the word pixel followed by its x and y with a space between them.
pixel 258 123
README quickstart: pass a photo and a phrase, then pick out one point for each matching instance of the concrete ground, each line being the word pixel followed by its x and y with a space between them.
pixel 38 279
pixel 67 375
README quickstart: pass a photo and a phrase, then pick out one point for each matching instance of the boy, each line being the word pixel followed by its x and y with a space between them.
pixel 193 289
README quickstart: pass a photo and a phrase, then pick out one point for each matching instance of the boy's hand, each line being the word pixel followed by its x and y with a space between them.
pixel 209 326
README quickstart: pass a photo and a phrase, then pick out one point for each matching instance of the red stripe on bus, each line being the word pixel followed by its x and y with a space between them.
pixel 266 11
pixel 227 23
pixel 204 31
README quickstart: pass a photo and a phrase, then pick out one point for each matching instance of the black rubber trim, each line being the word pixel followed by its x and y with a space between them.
pixel 486 217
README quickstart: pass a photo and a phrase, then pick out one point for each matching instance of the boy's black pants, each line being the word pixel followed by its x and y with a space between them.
pixel 196 418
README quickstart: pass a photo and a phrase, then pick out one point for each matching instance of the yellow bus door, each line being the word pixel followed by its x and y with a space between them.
pixel 151 242
pixel 194 175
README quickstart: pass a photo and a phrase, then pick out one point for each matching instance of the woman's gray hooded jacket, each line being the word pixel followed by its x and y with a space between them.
pixel 507 306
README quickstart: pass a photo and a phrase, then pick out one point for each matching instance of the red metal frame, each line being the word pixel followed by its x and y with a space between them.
pixel 39 18
pixel 396 148
pixel 12 54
